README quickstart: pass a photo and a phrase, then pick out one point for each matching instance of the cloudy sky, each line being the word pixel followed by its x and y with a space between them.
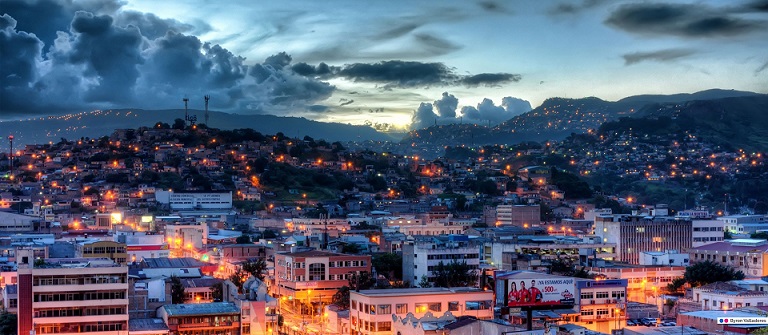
pixel 395 62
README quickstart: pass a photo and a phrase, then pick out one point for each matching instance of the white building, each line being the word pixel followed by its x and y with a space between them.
pixel 194 200
pixel 422 256
pixel 371 311
pixel 70 296
pixel 721 296
pixel 707 231
pixel 186 235
pixel 664 258
pixel 744 224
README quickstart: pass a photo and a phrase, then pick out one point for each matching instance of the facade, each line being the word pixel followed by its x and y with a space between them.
pixel 643 282
pixel 664 258
pixel 744 224
pixel 16 223
pixel 518 215
pixel 548 248
pixel 420 257
pixel 186 236
pixel 220 318
pixel 635 234
pixel 706 321
pixel 707 231
pixel 371 311
pixel 747 255
pixel 70 296
pixel 434 229
pixel 115 251
pixel 725 296
pixel 315 276
pixel 194 200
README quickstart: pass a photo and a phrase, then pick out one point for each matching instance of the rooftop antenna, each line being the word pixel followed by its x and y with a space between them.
pixel 207 97
pixel 186 113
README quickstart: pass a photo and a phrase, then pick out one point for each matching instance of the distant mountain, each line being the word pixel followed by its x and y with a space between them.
pixel 102 123
pixel 557 118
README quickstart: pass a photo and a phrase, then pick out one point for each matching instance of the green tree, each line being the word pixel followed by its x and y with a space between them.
pixel 243 239
pixel 706 272
pixel 351 248
pixel 8 323
pixel 256 267
pixel 389 264
pixel 361 281
pixel 676 285
pixel 455 274
pixel 238 278
pixel 179 124
pixel 424 282
pixel 177 290
pixel 217 291
pixel 727 235
pixel 341 298
pixel 761 235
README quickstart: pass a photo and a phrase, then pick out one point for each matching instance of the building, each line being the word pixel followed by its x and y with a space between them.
pixel 10 298
pixel 102 249
pixel 371 311
pixel 72 295
pixel 726 296
pixel 635 234
pixel 221 318
pixel 140 245
pixel 518 215
pixel 707 231
pixel 706 321
pixel 147 327
pixel 315 276
pixel 186 236
pixel 747 255
pixel 420 257
pixel 550 247
pixel 643 282
pixel 16 223
pixel 194 200
pixel 664 258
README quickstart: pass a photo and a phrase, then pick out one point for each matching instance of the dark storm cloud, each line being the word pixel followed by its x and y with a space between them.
pixel 317 108
pixel 489 79
pixel 344 102
pixel 435 44
pixel 18 64
pixel 152 27
pixel 684 20
pixel 446 105
pixel 656 56
pixel 404 74
pixel 761 68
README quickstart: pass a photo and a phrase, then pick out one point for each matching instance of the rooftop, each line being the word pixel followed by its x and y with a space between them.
pixel 671 330
pixel 173 262
pixel 313 253
pixel 714 314
pixel 418 291
pixel 146 324
pixel 213 308
pixel 727 246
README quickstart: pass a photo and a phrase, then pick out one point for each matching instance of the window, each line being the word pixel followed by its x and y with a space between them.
pixel 587 312
pixel 421 308
pixel 478 305
pixel 453 306
pixel 434 306
pixel 601 295
pixel 384 326
pixel 353 304
pixel 587 295
pixel 602 311
pixel 372 309
pixel 384 309
pixel 317 271
pixel 401 308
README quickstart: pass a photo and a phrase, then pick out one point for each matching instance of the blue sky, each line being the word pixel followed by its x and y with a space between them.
pixel 536 49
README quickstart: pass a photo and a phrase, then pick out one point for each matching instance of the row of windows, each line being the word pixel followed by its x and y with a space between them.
pixel 80 327
pixel 103 250
pixel 372 326
pixel 78 311
pixel 602 295
pixel 599 311
pixel 79 296
pixel 346 264
pixel 453 256
pixel 434 267
pixel 453 306
pixel 707 228
pixel 79 280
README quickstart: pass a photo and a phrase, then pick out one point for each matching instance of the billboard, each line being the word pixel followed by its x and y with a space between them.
pixel 536 291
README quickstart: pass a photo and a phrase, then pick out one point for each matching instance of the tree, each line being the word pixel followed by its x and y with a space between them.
pixel 217 291
pixel 424 282
pixel 179 124
pixel 361 281
pixel 676 285
pixel 455 274
pixel 351 248
pixel 177 291
pixel 238 278
pixel 706 272
pixel 8 323
pixel 256 267
pixel 727 235
pixel 389 264
pixel 243 239
pixel 341 298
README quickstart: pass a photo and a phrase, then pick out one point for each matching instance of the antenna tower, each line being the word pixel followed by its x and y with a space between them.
pixel 186 114
pixel 207 97
pixel 10 158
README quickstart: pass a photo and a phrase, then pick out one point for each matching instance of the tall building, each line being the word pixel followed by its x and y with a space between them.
pixel 71 295
pixel 194 200
pixel 518 215
pixel 707 231
pixel 420 257
pixel 634 234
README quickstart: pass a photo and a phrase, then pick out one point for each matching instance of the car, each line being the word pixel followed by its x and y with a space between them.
pixel 669 323
pixel 631 323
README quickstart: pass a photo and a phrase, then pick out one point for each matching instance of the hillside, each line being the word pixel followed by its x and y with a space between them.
pixel 101 123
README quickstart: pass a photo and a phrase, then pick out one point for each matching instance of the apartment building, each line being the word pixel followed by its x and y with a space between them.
pixel 194 200
pixel 518 215
pixel 420 257
pixel 707 231
pixel 643 282
pixel 315 276
pixel 725 296
pixel 115 251
pixel 71 295
pixel 634 234
pixel 219 318
pixel 747 255
pixel 371 311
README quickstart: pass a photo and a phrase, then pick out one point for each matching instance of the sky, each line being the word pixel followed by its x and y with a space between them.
pixel 392 64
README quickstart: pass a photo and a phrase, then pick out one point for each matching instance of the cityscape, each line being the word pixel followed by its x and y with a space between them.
pixel 271 168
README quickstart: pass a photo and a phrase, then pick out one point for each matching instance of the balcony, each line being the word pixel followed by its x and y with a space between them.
pixel 220 324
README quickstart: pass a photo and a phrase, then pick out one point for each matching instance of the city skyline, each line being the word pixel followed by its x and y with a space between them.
pixel 378 62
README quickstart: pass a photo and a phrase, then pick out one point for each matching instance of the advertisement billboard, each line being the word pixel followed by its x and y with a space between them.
pixel 541 290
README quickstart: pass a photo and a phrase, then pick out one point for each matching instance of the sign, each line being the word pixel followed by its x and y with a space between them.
pixel 540 291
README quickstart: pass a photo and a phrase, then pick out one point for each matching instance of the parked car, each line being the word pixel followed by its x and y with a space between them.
pixel 631 323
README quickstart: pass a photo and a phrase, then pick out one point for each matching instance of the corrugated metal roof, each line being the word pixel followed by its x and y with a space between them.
pixel 213 308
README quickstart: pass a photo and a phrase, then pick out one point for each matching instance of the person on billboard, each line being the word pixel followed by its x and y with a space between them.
pixel 523 295
pixel 513 297
pixel 536 295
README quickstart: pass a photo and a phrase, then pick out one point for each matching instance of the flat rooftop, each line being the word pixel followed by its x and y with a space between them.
pixel 213 308
pixel 146 325
pixel 418 291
